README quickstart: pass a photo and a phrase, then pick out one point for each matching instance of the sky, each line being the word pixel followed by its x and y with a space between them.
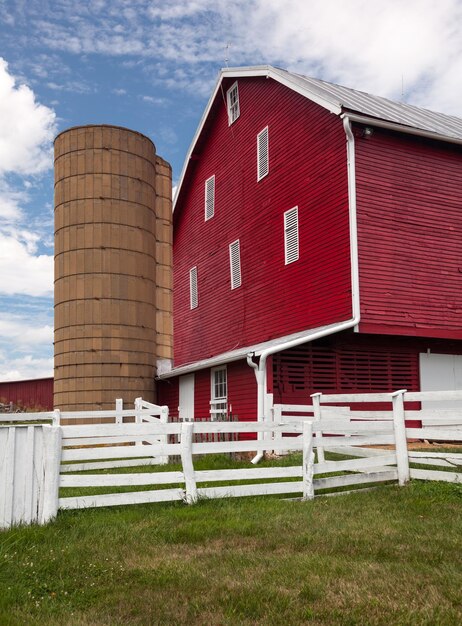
pixel 151 66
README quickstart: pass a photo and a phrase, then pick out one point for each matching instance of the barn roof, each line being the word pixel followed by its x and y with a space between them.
pixel 358 105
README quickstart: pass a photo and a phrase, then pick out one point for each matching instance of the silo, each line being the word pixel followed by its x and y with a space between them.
pixel 106 292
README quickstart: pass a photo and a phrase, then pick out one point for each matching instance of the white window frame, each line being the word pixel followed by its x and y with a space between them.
pixel 235 264
pixel 262 143
pixel 218 399
pixel 233 104
pixel 291 236
pixel 193 289
pixel 209 198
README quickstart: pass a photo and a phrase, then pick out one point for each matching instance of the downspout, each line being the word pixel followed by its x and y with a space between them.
pixel 260 369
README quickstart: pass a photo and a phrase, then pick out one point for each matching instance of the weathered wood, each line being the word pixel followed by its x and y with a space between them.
pixel 52 462
pixel 116 499
pixel 120 480
pixel 424 474
pixel 429 396
pixel 354 479
pixel 119 452
pixel 248 473
pixel 187 429
pixel 84 467
pixel 400 437
pixel 355 464
pixel 355 397
pixel 440 434
pixel 308 461
pixel 238 491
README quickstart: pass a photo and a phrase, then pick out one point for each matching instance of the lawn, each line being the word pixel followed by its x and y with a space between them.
pixel 388 556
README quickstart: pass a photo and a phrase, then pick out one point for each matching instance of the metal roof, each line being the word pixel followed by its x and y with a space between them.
pixel 378 107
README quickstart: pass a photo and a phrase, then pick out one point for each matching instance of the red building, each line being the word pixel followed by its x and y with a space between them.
pixel 317 234
pixel 35 393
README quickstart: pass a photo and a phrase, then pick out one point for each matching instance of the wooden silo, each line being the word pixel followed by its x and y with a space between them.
pixel 113 279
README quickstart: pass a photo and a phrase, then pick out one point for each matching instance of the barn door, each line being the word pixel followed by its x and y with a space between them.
pixel 186 399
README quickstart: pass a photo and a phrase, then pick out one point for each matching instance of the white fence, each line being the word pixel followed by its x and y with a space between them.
pixel 36 461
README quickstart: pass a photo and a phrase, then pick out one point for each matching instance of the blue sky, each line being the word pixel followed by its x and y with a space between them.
pixel 151 66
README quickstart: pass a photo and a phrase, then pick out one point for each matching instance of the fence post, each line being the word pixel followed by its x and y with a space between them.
pixel 119 408
pixel 51 469
pixel 163 438
pixel 56 421
pixel 316 399
pixel 308 461
pixel 187 429
pixel 399 425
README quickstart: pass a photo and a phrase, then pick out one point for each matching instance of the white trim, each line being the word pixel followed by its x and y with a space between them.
pixel 407 130
pixel 232 118
pixel 241 353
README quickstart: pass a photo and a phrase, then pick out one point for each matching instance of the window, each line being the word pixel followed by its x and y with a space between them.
pixel 291 235
pixel 232 98
pixel 219 393
pixel 193 288
pixel 235 264
pixel 209 197
pixel 262 154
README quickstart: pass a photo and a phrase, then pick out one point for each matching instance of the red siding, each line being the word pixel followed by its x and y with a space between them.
pixel 409 194
pixel 36 393
pixel 307 157
pixel 242 392
pixel 168 395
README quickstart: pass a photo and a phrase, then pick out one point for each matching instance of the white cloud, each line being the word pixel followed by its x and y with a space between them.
pixel 21 333
pixel 26 130
pixel 368 45
pixel 25 367
pixel 21 270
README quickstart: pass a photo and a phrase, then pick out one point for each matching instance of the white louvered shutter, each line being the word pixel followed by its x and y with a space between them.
pixel 262 154
pixel 291 235
pixel 209 197
pixel 235 264
pixel 193 299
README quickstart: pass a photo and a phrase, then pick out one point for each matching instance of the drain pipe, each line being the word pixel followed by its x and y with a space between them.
pixel 260 369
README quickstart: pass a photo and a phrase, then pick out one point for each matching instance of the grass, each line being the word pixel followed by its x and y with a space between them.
pixel 390 556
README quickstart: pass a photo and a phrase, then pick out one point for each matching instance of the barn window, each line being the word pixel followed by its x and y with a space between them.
pixel 193 299
pixel 235 264
pixel 291 235
pixel 219 393
pixel 262 154
pixel 232 98
pixel 210 197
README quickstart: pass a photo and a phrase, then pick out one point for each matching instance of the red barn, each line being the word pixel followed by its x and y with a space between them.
pixel 317 247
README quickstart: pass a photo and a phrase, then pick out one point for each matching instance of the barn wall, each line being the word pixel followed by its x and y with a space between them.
pixel 409 197
pixel 37 393
pixel 308 169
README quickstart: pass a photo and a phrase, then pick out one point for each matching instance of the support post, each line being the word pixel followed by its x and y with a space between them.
pixel 163 438
pixel 308 461
pixel 119 408
pixel 187 429
pixel 316 399
pixel 51 469
pixel 402 456
pixel 56 421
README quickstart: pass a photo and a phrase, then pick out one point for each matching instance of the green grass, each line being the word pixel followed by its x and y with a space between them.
pixel 390 556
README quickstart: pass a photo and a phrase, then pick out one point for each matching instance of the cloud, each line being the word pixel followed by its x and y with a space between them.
pixel 21 270
pixel 23 368
pixel 26 130
pixel 20 331
pixel 377 47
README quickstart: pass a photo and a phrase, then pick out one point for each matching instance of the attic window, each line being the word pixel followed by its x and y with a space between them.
pixel 209 197
pixel 193 299
pixel 291 235
pixel 232 98
pixel 235 264
pixel 262 154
